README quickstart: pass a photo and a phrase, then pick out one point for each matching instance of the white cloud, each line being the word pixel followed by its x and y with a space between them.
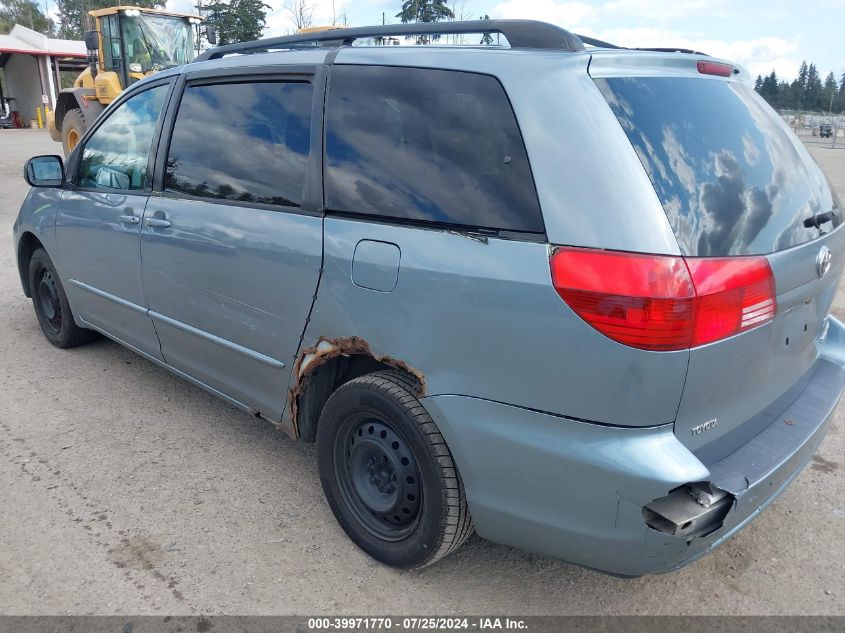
pixel 760 55
pixel 567 14
pixel 661 9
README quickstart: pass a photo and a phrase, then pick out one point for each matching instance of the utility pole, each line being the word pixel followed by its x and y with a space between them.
pixel 198 27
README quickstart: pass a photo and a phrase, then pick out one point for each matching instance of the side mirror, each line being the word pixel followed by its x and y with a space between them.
pixel 210 35
pixel 44 171
pixel 92 42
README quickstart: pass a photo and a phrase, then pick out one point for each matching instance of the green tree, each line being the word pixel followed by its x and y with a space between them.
pixel 829 92
pixel 487 38
pixel 74 19
pixel 783 94
pixel 425 11
pixel 758 83
pixel 769 89
pixel 236 20
pixel 813 89
pixel 26 13
pixel 840 95
pixel 798 88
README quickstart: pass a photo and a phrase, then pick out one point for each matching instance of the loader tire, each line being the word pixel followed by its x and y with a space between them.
pixel 73 129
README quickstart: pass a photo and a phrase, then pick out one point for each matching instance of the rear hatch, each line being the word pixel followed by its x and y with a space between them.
pixel 734 183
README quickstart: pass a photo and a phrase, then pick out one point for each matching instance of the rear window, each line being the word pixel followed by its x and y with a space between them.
pixel 730 175
pixel 427 145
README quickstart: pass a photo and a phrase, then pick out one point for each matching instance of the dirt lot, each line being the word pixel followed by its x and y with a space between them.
pixel 126 490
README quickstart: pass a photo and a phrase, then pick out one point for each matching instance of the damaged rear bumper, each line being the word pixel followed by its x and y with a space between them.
pixel 576 490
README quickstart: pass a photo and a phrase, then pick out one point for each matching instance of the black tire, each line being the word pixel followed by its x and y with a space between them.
pixel 73 129
pixel 51 306
pixel 397 493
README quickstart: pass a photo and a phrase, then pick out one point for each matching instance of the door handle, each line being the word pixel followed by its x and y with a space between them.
pixel 130 219
pixel 159 223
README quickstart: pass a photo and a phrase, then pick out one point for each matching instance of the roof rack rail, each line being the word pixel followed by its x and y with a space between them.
pixel 519 33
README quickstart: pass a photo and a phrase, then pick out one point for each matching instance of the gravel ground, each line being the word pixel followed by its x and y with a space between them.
pixel 126 490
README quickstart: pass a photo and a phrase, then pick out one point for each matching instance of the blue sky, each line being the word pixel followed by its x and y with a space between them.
pixel 762 35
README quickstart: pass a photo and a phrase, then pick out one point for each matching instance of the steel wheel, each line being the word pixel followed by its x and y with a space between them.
pixel 48 298
pixel 378 477
pixel 387 473
pixel 51 305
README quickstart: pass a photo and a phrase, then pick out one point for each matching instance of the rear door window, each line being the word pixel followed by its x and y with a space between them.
pixel 732 178
pixel 243 142
pixel 427 145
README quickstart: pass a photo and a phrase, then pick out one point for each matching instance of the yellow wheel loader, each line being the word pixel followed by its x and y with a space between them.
pixel 127 44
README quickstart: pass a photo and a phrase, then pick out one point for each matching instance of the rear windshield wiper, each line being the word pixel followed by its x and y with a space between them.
pixel 818 219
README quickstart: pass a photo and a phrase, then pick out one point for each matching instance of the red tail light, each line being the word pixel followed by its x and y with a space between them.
pixel 714 68
pixel 734 294
pixel 662 303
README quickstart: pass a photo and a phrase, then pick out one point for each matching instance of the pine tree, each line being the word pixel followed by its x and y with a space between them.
pixel 829 92
pixel 840 96
pixel 236 20
pixel 798 88
pixel 802 74
pixel 74 19
pixel 425 11
pixel 783 95
pixel 813 89
pixel 805 92
pixel 769 89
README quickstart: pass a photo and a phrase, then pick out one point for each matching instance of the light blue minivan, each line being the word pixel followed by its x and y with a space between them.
pixel 573 298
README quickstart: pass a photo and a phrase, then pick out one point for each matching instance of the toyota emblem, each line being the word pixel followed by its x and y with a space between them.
pixel 823 261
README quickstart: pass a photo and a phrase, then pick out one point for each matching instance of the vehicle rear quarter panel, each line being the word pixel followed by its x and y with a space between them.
pixel 482 319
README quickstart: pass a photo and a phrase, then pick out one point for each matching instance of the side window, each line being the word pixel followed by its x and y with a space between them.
pixel 111 42
pixel 427 145
pixel 116 155
pixel 245 142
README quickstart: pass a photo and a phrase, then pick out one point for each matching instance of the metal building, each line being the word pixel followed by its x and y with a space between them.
pixel 30 70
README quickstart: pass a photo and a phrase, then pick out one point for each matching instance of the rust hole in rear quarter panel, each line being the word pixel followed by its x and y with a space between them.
pixel 328 348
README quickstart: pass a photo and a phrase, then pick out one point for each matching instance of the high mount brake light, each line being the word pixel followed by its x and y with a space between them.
pixel 714 68
pixel 664 303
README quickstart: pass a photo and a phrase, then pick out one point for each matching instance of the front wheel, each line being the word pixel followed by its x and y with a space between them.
pixel 51 305
pixel 387 473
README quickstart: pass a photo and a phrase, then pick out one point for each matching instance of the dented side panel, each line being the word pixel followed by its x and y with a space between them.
pixel 481 318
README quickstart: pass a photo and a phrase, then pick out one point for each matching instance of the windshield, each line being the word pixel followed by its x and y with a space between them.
pixel 732 178
pixel 156 42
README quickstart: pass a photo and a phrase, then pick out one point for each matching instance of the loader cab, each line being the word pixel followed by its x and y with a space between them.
pixel 135 43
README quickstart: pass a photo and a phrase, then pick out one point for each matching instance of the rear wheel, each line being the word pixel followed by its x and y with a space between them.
pixel 73 128
pixel 387 473
pixel 51 306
